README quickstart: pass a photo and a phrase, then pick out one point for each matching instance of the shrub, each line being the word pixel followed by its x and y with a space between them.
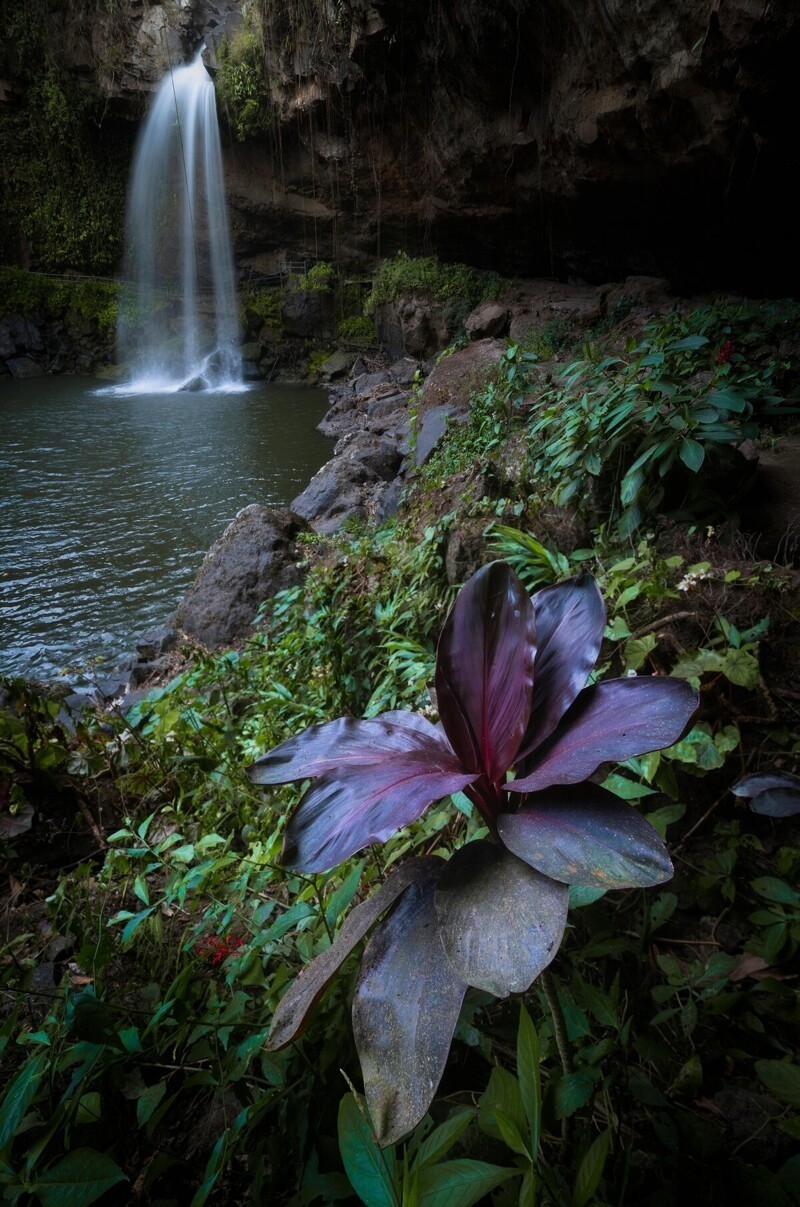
pixel 241 85
pixel 459 287
pixel 358 330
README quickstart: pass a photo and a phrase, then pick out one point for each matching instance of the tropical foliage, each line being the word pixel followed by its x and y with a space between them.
pixel 158 949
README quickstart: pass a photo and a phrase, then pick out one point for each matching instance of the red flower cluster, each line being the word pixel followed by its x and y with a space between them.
pixel 216 948
pixel 726 352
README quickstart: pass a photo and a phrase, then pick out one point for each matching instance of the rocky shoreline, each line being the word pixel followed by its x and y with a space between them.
pixel 386 413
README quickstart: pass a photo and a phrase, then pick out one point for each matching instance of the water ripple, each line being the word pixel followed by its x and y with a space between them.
pixel 108 503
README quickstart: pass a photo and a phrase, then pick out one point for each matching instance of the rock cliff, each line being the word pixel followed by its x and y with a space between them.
pixel 537 137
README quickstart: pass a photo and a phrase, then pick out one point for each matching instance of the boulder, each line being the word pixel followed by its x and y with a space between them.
pixel 20 334
pixel 155 642
pixel 255 557
pixel 308 313
pixel 336 493
pixel 336 366
pixel 24 366
pixel 412 326
pixel 431 430
pixel 487 321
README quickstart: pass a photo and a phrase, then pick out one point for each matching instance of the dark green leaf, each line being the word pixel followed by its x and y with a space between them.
pixel 781 1078
pixel 149 1101
pixel 442 1138
pixel 460 1183
pixel 501 1096
pixel 77 1180
pixel 590 1170
pixel 574 1090
pixel 372 1173
pixel 692 454
pixel 19 1095
pixel 530 1083
pixel 501 922
pixel 773 889
pixel 728 400
pixel 690 343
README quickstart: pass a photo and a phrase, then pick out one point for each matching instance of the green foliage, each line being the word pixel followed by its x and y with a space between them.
pixel 381 1178
pixel 95 301
pixel 473 444
pixel 64 183
pixel 694 384
pixel 457 286
pixel 358 330
pixel 185 934
pixel 260 308
pixel 242 87
pixel 320 278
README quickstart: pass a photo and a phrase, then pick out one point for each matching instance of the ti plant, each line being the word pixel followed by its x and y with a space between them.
pixel 520 734
pixel 773 793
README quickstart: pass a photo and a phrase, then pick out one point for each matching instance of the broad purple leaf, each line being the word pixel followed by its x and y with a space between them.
pixel 766 781
pixel 484 670
pixel 783 802
pixel 347 810
pixel 569 619
pixel 405 1011
pixel 772 793
pixel 347 743
pixel 584 835
pixel 298 1001
pixel 14 824
pixel 612 721
pixel 500 921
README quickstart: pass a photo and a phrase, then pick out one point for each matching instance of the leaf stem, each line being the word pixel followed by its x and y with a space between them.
pixel 557 1014
pixel 550 989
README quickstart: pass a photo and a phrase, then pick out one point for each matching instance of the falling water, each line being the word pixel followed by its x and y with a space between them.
pixel 178 328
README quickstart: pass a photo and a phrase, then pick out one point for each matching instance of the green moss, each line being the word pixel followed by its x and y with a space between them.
pixel 457 286
pixel 64 163
pixel 93 300
pixel 358 330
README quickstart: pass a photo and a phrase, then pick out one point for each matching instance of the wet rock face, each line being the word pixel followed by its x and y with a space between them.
pixel 537 137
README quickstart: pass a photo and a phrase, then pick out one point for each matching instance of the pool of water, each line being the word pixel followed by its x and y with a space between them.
pixel 109 502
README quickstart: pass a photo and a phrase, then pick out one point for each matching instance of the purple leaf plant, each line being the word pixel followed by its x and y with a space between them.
pixel 520 734
pixel 772 793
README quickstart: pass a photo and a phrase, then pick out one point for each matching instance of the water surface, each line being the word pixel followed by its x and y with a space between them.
pixel 108 504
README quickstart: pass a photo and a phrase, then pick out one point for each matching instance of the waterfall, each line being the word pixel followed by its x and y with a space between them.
pixel 178 325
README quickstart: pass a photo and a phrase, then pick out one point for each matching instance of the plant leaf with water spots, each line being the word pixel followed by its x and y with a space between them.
pixel 501 921
pixel 771 793
pixel 584 835
pixel 343 812
pixel 347 742
pixel 405 1009
pixel 299 1000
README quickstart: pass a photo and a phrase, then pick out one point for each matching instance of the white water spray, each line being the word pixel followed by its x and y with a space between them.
pixel 178 326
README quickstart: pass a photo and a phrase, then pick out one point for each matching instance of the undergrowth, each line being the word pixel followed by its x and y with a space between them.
pixel 140 971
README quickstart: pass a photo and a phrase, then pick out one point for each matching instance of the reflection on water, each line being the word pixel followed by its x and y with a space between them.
pixel 107 504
